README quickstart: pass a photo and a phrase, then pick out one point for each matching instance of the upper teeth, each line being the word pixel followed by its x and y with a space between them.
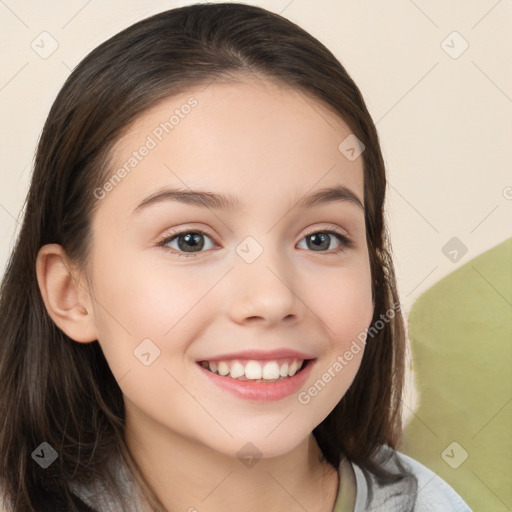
pixel 253 370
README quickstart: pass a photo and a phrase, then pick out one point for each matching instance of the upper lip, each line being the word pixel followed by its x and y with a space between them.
pixel 264 355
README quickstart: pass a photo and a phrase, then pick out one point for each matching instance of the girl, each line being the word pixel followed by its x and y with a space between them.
pixel 200 312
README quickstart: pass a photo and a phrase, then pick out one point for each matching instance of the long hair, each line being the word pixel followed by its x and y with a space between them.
pixel 61 392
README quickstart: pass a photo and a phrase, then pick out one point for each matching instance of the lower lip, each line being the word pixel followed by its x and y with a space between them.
pixel 261 391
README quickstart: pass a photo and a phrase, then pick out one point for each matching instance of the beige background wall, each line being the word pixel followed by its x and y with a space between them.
pixel 443 111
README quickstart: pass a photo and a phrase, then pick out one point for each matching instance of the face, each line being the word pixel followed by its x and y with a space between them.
pixel 177 280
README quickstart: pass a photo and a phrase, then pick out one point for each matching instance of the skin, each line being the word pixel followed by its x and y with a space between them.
pixel 268 145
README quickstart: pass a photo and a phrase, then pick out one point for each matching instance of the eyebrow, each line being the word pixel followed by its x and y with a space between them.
pixel 213 200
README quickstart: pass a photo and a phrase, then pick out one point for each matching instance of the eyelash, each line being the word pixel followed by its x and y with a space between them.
pixel 345 242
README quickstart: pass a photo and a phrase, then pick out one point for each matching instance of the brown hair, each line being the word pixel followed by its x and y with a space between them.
pixel 55 390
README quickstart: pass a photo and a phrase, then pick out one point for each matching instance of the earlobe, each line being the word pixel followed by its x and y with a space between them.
pixel 66 300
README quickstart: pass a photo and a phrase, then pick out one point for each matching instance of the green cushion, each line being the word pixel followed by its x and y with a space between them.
pixel 461 338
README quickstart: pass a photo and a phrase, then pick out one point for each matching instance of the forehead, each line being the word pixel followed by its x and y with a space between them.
pixel 255 137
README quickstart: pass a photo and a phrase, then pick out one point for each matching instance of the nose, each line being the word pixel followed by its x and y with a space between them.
pixel 264 291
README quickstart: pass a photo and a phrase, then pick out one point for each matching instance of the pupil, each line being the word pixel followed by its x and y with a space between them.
pixel 192 240
pixel 317 241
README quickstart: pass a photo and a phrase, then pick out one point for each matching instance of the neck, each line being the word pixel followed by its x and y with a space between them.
pixel 189 476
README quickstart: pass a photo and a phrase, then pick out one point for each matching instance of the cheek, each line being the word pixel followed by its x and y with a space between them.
pixel 343 302
pixel 350 313
pixel 345 308
pixel 137 301
pixel 144 299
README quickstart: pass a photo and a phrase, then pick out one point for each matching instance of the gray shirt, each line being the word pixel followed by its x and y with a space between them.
pixel 420 490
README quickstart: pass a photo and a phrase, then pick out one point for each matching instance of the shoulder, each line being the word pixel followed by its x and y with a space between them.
pixel 421 490
pixel 433 492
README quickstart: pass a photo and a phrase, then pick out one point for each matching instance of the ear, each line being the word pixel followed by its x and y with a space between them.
pixel 66 299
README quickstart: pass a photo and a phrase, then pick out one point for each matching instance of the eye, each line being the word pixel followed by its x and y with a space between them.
pixel 187 241
pixel 319 240
pixel 190 242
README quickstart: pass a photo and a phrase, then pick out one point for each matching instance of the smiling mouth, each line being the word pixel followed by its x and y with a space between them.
pixel 256 371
